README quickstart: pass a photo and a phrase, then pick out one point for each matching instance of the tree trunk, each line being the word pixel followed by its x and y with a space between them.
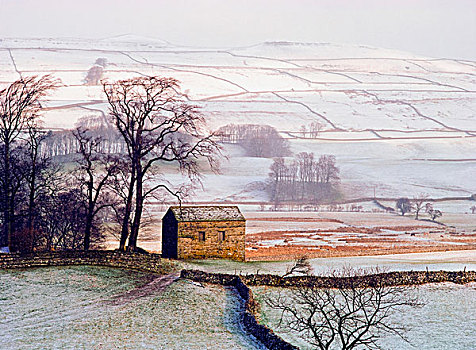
pixel 89 224
pixel 7 228
pixel 31 196
pixel 127 212
pixel 138 210
pixel 31 209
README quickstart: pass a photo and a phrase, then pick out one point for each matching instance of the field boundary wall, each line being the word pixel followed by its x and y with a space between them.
pixel 152 263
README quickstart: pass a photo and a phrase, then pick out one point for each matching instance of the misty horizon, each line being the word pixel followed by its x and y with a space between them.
pixel 438 29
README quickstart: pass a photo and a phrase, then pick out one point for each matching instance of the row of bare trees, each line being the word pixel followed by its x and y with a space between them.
pixel 304 179
pixel 257 140
pixel 115 170
pixel 312 130
pixel 64 143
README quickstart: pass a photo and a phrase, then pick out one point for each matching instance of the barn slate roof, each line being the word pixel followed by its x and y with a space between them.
pixel 207 213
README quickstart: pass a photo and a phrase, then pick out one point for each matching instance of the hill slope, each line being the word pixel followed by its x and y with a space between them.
pixel 398 123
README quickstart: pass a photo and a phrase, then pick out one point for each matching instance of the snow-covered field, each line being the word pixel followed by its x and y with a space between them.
pixel 398 123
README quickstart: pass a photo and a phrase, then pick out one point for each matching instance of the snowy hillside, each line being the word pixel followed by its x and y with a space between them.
pixel 399 123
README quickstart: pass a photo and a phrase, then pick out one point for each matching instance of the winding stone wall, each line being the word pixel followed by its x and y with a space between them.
pixel 251 321
pixel 137 261
pixel 251 314
pixel 155 264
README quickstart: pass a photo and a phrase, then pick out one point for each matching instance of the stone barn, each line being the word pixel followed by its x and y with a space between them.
pixel 200 232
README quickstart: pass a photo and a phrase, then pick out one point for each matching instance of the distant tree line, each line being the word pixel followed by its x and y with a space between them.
pixel 113 167
pixel 304 179
pixel 64 143
pixel 257 140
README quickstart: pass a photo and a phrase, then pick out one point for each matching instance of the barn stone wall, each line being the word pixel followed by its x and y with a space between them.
pixel 232 247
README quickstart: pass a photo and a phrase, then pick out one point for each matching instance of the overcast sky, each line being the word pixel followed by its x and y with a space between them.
pixel 437 28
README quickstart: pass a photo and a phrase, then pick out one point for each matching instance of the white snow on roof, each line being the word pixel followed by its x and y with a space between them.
pixel 207 213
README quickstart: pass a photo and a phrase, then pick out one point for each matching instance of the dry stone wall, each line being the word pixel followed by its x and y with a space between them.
pixel 137 261
pixel 397 278
pixel 250 316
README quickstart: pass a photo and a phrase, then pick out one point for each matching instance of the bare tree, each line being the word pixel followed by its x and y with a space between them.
pixel 19 108
pixel 301 265
pixel 158 126
pixel 418 202
pixel 40 175
pixel 277 174
pixel 473 209
pixel 95 172
pixel 315 129
pixel 347 318
pixel 35 178
pixel 327 170
pixel 404 205
pixel 434 213
pixel 62 219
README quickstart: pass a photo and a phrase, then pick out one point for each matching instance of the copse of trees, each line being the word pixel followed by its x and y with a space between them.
pixel 42 205
pixel 95 73
pixel 304 179
pixel 417 205
pixel 257 140
pixel 64 143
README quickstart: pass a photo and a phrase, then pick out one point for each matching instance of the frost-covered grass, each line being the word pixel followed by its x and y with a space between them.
pixel 69 308
pixel 446 321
